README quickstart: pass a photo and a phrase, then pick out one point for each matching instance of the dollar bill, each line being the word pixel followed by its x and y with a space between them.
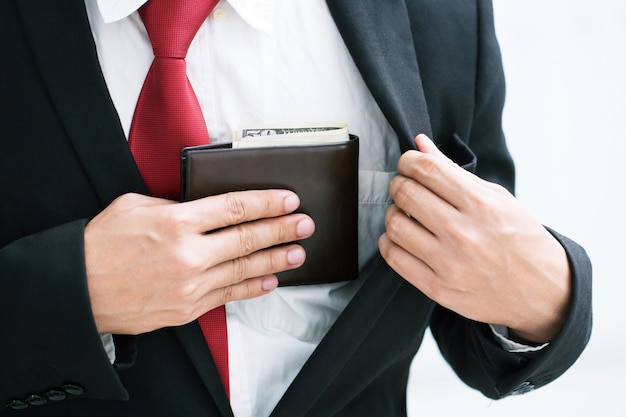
pixel 313 134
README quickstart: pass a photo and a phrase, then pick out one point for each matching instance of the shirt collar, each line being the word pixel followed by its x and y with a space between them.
pixel 257 13
pixel 114 10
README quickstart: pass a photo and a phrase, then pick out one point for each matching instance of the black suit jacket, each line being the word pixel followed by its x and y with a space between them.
pixel 432 65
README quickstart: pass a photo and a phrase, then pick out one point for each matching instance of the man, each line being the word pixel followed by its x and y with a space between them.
pixel 102 284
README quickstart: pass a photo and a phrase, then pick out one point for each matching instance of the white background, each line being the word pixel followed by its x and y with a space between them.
pixel 565 62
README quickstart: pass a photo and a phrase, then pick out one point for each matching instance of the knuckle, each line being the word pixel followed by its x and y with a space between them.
pixel 128 200
pixel 495 208
pixel 185 316
pixel 404 192
pixel 227 294
pixel 452 225
pixel 186 293
pixel 172 222
pixel 177 218
pixel 498 189
pixel 479 199
pixel 239 269
pixel 274 261
pixel 185 261
pixel 451 274
pixel 393 224
pixel 235 208
pixel 282 233
pixel 241 291
pixel 492 197
pixel 390 252
pixel 427 166
pixel 436 292
pixel 383 244
pixel 246 240
pixel 467 239
pixel 390 255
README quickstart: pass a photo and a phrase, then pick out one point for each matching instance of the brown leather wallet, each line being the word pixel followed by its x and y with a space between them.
pixel 325 177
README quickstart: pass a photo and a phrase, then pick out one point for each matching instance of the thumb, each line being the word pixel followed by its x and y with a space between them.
pixel 426 145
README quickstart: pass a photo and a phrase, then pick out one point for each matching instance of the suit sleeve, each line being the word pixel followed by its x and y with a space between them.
pixel 484 365
pixel 468 346
pixel 50 342
pixel 50 349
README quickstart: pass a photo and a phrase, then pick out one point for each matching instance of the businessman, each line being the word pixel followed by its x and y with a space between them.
pixel 109 284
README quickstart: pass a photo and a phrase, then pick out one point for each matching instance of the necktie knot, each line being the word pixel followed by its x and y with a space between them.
pixel 168 116
pixel 172 24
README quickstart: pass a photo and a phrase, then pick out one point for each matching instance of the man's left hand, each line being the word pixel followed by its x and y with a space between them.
pixel 470 246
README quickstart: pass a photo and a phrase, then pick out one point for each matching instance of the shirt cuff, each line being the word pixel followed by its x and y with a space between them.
pixel 109 346
pixel 501 333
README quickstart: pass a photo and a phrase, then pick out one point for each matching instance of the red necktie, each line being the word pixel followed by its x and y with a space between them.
pixel 168 118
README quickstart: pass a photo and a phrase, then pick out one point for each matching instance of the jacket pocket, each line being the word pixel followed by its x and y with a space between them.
pixel 457 150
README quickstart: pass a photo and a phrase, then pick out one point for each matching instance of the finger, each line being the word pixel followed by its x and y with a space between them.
pixel 422 204
pixel 241 240
pixel 238 280
pixel 229 209
pixel 412 236
pixel 264 263
pixel 250 288
pixel 207 301
pixel 436 173
pixel 426 145
pixel 411 268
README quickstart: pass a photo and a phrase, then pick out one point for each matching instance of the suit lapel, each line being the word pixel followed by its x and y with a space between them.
pixel 63 47
pixel 343 339
pixel 195 346
pixel 378 36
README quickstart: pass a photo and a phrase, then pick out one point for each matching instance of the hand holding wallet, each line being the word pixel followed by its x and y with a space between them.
pixel 325 178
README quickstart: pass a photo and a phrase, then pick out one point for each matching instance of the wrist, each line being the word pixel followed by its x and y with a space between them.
pixel 547 312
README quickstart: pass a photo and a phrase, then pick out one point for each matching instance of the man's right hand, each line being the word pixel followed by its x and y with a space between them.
pixel 153 263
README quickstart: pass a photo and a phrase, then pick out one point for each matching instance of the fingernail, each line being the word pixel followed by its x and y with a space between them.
pixel 269 283
pixel 291 203
pixel 295 256
pixel 305 228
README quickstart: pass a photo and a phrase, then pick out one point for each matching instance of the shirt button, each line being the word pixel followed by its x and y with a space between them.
pixel 220 15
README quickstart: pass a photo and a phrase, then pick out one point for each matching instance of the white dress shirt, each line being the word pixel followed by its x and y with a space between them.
pixel 253 62
pixel 265 62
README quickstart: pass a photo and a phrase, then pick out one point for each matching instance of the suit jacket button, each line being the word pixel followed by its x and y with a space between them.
pixel 73 389
pixel 56 395
pixel 35 399
pixel 17 404
pixel 523 388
